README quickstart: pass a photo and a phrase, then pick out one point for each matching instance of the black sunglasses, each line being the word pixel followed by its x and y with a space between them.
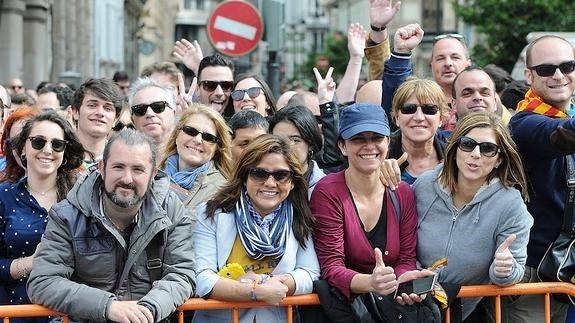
pixel 213 85
pixel 426 108
pixel 262 175
pixel 252 92
pixel 38 143
pixel 487 149
pixel 445 36
pixel 120 125
pixel 549 69
pixel 192 132
pixel 140 110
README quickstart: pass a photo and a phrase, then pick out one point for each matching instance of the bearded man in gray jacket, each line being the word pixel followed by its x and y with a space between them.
pixel 118 248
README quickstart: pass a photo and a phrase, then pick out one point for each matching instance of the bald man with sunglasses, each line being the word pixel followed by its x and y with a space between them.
pixel 545 136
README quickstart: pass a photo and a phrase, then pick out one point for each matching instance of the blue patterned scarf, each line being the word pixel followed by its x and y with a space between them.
pixel 184 178
pixel 263 237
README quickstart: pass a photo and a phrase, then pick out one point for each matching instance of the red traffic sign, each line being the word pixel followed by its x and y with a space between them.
pixel 235 28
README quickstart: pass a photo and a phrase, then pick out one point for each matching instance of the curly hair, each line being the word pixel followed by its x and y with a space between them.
pixel 13 172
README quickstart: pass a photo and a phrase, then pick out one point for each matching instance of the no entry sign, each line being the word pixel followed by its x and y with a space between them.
pixel 235 28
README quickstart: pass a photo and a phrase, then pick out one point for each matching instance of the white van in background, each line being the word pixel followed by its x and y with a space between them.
pixel 517 72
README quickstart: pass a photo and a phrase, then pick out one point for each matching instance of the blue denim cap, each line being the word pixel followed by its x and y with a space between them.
pixel 362 117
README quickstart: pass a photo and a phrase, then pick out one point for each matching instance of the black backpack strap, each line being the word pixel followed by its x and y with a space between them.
pixel 395 203
pixel 154 254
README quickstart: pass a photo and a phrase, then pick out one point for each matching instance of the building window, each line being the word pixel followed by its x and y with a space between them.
pixel 200 4
pixel 187 4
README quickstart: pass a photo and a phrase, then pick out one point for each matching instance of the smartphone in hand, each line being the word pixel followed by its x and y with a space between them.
pixel 417 286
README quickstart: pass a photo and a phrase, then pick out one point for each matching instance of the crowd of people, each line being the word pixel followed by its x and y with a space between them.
pixel 127 196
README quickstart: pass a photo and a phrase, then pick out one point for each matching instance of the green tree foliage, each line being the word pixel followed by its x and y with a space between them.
pixel 335 52
pixel 505 23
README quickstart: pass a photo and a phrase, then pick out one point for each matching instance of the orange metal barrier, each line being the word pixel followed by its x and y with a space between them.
pixel 30 310
pixel 545 289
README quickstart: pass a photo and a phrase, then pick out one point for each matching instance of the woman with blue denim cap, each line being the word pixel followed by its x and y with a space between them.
pixel 362 244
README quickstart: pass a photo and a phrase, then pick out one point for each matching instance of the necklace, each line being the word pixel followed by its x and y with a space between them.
pixel 31 190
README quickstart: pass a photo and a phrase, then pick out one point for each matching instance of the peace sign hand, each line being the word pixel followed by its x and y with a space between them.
pixel 325 86
pixel 184 99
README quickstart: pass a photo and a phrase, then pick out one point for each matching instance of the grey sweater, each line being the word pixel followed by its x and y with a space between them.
pixel 469 237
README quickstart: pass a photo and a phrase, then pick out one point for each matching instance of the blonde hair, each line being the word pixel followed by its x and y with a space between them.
pixel 426 91
pixel 223 156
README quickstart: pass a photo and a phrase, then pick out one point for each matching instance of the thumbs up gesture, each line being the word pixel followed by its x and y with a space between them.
pixel 503 260
pixel 383 280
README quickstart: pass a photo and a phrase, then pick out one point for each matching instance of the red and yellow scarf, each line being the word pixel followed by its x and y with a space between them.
pixel 534 103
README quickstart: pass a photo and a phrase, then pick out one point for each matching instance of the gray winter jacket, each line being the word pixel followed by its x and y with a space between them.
pixel 83 263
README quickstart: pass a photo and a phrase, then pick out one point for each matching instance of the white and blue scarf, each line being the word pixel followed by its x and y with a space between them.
pixel 263 237
pixel 184 178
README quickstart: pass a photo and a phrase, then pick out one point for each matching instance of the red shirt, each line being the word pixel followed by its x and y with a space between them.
pixel 342 247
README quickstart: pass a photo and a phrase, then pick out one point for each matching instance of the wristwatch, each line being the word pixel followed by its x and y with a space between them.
pixel 374 28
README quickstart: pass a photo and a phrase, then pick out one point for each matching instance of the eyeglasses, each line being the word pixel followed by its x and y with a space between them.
pixel 262 175
pixel 120 125
pixel 193 132
pixel 544 70
pixel 38 143
pixel 487 149
pixel 426 108
pixel 140 110
pixel 444 36
pixel 252 92
pixel 213 85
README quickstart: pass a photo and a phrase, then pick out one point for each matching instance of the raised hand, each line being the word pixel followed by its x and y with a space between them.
pixel 503 260
pixel 189 53
pixel 184 99
pixel 356 35
pixel 383 279
pixel 407 38
pixel 390 173
pixel 381 12
pixel 325 86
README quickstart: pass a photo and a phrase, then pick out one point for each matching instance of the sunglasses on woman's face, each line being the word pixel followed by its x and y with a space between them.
pixel 120 125
pixel 487 149
pixel 253 92
pixel 545 70
pixel 139 110
pixel 192 132
pixel 261 175
pixel 426 108
pixel 38 143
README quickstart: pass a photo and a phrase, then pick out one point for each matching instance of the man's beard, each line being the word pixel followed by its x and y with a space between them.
pixel 131 203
